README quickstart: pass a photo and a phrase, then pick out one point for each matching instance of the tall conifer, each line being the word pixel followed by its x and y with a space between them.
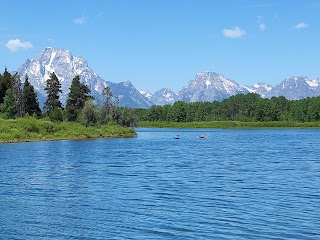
pixel 8 107
pixel 76 99
pixel 6 82
pixel 19 98
pixel 31 100
pixel 53 89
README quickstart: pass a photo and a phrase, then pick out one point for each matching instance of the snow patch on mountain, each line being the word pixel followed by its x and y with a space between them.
pixel 147 94
pixel 314 83
pixel 164 96
pixel 66 67
pixel 210 86
pixel 294 88
pixel 260 88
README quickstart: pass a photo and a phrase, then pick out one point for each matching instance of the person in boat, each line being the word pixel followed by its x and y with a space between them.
pixel 202 136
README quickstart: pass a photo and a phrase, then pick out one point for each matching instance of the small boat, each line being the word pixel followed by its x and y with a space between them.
pixel 202 136
pixel 176 137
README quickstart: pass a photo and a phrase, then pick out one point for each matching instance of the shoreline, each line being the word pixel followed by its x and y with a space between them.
pixel 66 138
pixel 228 125
pixel 36 130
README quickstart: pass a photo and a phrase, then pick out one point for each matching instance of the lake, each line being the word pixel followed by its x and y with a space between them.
pixel 234 184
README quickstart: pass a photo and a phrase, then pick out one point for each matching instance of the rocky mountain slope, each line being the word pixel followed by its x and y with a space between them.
pixel 207 86
pixel 66 67
pixel 295 88
pixel 210 86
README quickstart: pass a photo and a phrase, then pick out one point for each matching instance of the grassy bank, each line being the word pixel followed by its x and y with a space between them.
pixel 31 129
pixel 229 124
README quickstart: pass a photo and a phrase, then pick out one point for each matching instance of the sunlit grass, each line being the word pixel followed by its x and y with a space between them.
pixel 32 129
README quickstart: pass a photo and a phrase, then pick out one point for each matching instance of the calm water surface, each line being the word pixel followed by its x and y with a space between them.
pixel 235 184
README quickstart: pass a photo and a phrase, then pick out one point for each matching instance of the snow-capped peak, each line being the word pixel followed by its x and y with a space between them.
pixel 66 67
pixel 210 86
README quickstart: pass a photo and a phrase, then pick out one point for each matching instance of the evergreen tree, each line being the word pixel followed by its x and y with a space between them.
pixel 31 100
pixel 89 113
pixel 76 99
pixel 19 98
pixel 109 103
pixel 8 106
pixel 6 82
pixel 53 89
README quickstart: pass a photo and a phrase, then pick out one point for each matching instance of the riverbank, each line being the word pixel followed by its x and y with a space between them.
pixel 228 124
pixel 32 129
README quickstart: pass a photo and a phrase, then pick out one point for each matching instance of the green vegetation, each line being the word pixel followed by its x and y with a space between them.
pixel 239 108
pixel 21 118
pixel 228 124
pixel 79 94
pixel 32 129
pixel 31 102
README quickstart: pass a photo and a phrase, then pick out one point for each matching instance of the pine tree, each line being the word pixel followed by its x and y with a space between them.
pixel 8 106
pixel 76 99
pixel 53 89
pixel 18 96
pixel 31 100
pixel 109 103
pixel 6 82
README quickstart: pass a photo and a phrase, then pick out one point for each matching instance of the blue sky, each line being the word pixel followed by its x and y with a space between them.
pixel 164 43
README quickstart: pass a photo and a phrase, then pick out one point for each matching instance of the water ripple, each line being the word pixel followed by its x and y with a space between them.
pixel 236 184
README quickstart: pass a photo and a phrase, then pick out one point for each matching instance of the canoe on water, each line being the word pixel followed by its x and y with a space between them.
pixel 202 136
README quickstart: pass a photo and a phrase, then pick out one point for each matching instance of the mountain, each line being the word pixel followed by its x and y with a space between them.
pixel 210 86
pixel 295 88
pixel 260 88
pixel 66 67
pixel 207 86
pixel 147 95
pixel 315 84
pixel 164 96
pixel 129 96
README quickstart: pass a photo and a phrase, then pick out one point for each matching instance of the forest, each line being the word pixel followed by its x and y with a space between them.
pixel 242 107
pixel 19 100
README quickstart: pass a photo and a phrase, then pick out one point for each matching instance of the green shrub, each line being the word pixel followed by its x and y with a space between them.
pixel 48 127
pixel 56 115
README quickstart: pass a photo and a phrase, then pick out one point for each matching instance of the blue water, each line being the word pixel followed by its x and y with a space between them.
pixel 235 184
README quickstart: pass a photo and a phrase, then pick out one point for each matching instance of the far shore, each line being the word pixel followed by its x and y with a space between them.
pixel 228 124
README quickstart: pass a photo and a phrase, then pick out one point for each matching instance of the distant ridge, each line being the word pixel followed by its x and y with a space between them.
pixel 206 86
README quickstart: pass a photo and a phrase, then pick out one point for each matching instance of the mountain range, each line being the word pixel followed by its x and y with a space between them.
pixel 207 86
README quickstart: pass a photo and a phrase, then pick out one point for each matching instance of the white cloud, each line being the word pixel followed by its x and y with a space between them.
pixel 79 20
pixel 16 44
pixel 261 25
pixel 236 32
pixel 301 25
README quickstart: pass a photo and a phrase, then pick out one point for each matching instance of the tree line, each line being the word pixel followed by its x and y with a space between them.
pixel 242 107
pixel 17 100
